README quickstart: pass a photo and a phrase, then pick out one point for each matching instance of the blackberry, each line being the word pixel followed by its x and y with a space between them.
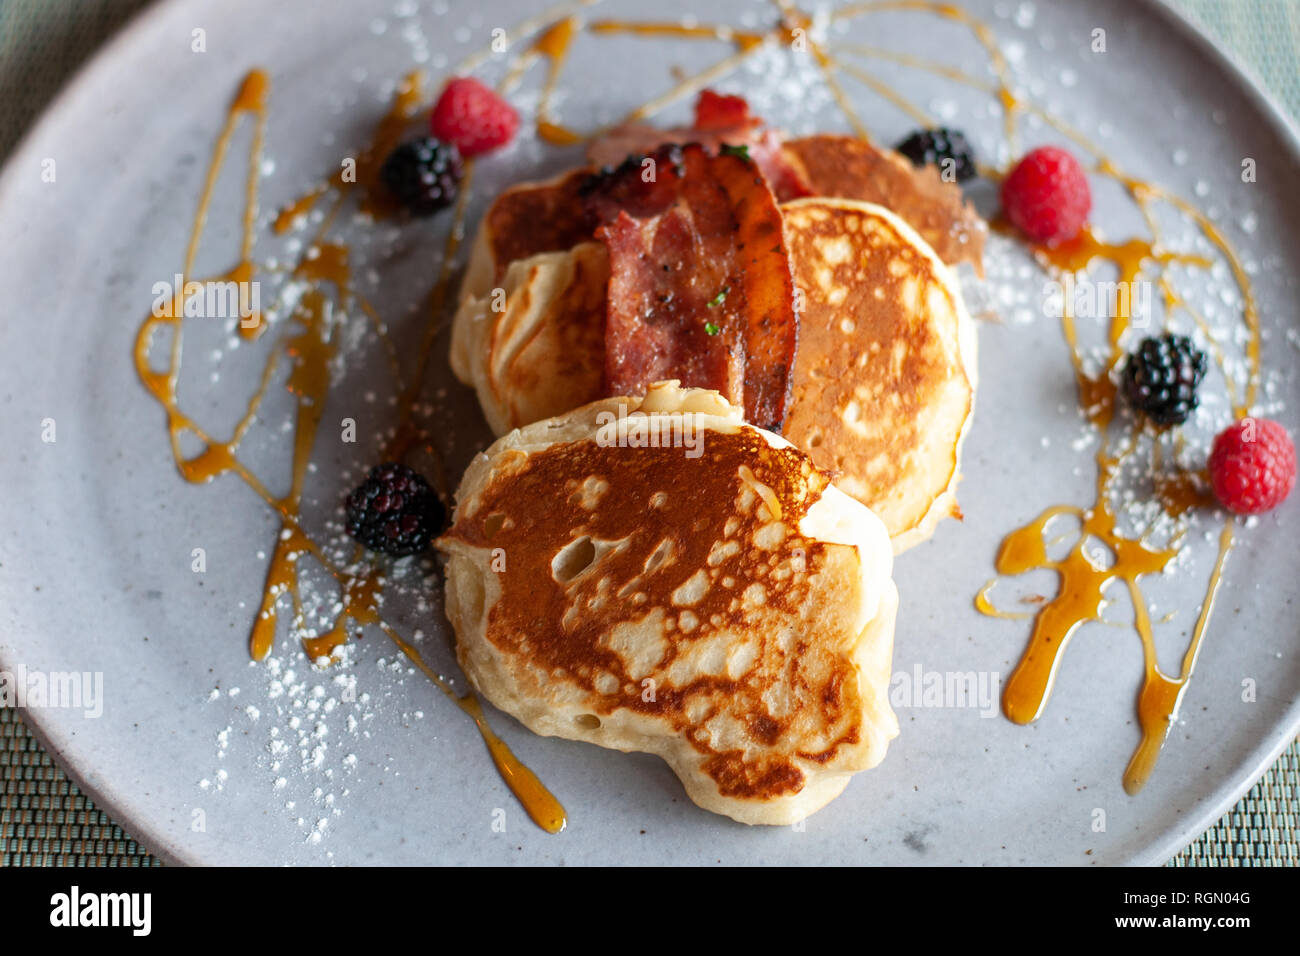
pixel 1160 378
pixel 394 511
pixel 938 146
pixel 423 174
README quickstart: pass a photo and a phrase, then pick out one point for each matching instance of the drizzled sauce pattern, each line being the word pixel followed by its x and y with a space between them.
pixel 309 348
pixel 313 342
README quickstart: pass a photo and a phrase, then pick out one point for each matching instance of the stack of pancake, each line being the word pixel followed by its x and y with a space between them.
pixel 732 611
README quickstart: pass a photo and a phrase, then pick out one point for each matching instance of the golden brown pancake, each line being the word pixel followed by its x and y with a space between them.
pixel 538 217
pixel 884 404
pixel 884 381
pixel 851 168
pixel 730 610
pixel 536 348
pixel 524 221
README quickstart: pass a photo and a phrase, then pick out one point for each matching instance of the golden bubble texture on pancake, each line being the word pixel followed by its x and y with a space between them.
pixel 885 372
pixel 847 167
pixel 884 380
pixel 730 610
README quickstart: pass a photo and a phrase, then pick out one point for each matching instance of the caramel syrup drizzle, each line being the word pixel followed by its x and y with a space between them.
pixel 309 348
pixel 312 346
pixel 1084 576
pixel 557 28
pixel 554 45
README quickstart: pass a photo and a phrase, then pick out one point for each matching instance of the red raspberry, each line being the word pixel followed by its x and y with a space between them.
pixel 1252 466
pixel 473 117
pixel 1047 196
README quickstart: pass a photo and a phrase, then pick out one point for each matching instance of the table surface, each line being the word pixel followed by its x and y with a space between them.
pixel 44 817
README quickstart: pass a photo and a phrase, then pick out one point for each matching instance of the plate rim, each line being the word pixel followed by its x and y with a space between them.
pixel 172 853
pixel 1161 851
pixel 132 824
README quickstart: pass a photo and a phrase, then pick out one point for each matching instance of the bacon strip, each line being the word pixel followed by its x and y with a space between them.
pixel 700 287
pixel 720 120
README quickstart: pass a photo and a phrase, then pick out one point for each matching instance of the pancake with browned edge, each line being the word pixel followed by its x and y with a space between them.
pixel 850 168
pixel 536 348
pixel 710 597
pixel 884 380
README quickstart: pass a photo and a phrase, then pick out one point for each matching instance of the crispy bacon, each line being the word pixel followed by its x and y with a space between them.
pixel 700 287
pixel 656 326
pixel 720 120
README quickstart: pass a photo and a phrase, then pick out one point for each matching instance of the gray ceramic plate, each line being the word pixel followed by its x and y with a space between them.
pixel 208 758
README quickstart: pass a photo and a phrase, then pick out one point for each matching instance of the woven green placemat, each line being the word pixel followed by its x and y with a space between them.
pixel 45 820
pixel 1261 829
pixel 1264 37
